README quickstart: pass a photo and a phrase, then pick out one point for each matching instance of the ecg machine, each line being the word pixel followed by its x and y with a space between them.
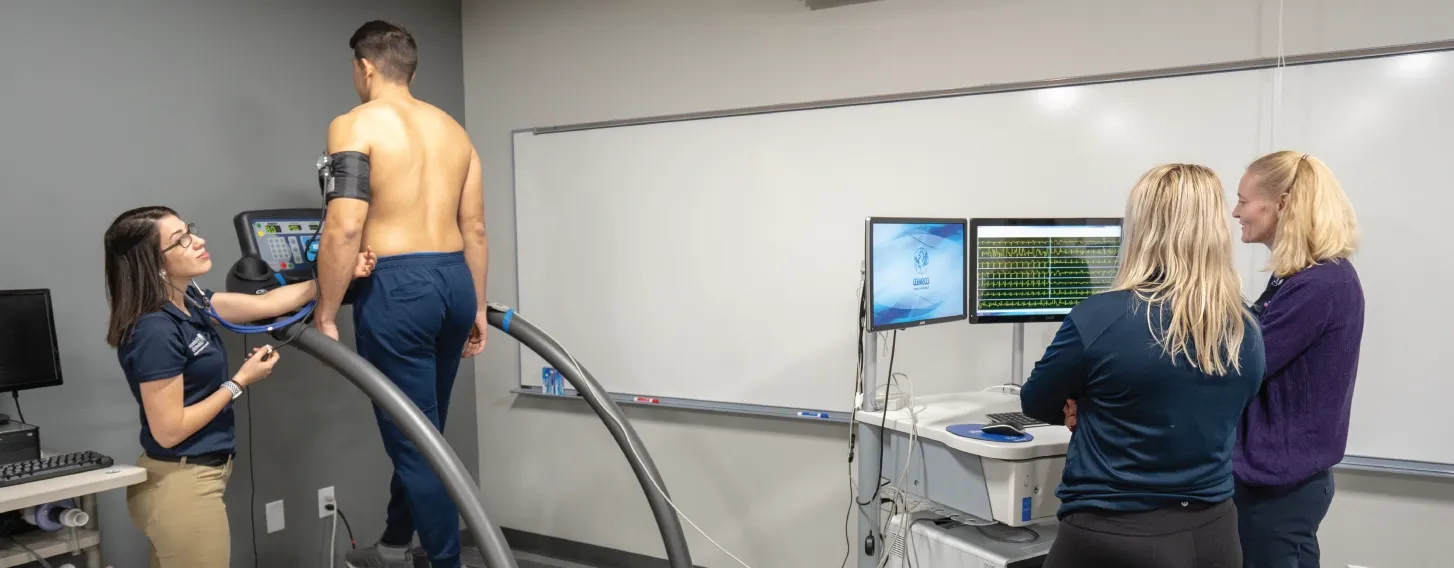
pixel 985 271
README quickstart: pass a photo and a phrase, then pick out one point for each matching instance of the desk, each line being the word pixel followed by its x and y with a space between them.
pixel 68 541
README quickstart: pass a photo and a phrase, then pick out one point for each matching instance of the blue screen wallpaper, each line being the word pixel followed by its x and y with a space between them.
pixel 918 272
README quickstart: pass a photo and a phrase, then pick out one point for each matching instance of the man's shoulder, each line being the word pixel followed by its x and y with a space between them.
pixel 366 115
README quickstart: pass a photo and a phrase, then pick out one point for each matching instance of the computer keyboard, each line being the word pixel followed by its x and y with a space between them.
pixel 1016 418
pixel 52 466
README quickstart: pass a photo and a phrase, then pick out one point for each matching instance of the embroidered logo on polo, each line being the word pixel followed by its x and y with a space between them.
pixel 199 344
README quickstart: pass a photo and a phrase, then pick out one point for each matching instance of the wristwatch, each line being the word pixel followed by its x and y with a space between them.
pixel 234 388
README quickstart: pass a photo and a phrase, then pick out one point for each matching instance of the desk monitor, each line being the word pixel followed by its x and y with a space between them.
pixel 1036 270
pixel 29 353
pixel 915 271
pixel 287 239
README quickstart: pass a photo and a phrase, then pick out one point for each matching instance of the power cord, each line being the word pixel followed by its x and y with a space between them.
pixel 576 366
pixel 853 426
pixel 863 319
pixel 332 537
pixel 251 472
pixel 352 543
pixel 16 394
pixel 883 423
pixel 38 558
pixel 333 533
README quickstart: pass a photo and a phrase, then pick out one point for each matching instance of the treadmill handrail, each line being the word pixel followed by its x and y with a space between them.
pixel 510 321
pixel 418 429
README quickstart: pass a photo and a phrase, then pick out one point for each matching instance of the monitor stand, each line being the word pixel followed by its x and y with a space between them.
pixel 1017 355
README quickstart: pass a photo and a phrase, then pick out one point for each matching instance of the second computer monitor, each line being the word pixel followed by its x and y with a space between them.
pixel 916 273
pixel 1029 270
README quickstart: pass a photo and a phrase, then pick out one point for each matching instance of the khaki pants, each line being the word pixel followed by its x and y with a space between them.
pixel 180 509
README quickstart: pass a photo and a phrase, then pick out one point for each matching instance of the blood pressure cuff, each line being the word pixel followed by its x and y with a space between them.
pixel 344 174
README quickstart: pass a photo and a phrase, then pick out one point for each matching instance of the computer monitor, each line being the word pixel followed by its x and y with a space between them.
pixel 915 271
pixel 29 356
pixel 1036 270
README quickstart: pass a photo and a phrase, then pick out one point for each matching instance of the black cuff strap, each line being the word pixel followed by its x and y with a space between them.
pixel 345 174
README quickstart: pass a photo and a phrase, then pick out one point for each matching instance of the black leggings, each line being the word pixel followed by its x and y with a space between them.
pixel 1195 536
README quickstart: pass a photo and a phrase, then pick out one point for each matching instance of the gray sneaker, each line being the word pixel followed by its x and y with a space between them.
pixel 371 557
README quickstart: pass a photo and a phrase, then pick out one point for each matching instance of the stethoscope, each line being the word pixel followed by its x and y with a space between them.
pixel 206 308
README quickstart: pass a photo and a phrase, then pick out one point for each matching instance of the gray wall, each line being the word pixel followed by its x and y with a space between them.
pixel 775 492
pixel 210 108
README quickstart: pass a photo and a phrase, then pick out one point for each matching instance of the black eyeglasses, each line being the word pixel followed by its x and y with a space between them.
pixel 185 240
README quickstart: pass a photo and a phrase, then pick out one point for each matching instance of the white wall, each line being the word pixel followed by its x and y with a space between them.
pixel 774 492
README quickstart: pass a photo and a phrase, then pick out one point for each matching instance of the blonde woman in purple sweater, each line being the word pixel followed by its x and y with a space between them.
pixel 1311 314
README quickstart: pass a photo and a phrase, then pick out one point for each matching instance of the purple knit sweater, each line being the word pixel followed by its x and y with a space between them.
pixel 1297 425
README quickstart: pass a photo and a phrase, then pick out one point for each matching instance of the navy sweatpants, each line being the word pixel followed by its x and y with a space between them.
pixel 1279 525
pixel 412 317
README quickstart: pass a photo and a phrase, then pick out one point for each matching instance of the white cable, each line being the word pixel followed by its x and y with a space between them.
pixel 634 451
pixel 333 539
pixel 1002 388
pixel 906 508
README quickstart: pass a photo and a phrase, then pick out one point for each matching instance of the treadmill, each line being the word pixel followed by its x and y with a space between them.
pixel 279 247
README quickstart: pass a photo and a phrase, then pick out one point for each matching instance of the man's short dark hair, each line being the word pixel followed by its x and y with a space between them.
pixel 389 47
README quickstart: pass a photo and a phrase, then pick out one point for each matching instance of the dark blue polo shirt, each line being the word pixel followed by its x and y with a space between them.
pixel 167 343
pixel 1151 431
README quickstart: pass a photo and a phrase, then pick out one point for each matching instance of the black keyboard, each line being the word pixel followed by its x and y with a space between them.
pixel 52 466
pixel 1016 418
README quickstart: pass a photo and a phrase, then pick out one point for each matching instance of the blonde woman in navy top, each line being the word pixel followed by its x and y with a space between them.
pixel 1311 315
pixel 1159 369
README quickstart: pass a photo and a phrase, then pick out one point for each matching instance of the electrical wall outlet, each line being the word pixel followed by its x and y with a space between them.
pixel 325 498
pixel 275 516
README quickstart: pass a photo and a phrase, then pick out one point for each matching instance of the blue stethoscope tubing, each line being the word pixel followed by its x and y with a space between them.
pixel 250 329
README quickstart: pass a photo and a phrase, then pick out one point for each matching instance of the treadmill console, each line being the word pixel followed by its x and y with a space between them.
pixel 279 247
pixel 286 239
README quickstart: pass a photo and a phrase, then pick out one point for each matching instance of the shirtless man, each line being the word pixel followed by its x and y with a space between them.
pixel 404 181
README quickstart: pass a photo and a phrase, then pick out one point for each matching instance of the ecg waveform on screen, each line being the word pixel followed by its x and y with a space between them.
pixel 1043 273
pixel 1047 252
pixel 1027 304
pixel 1106 261
pixel 1051 242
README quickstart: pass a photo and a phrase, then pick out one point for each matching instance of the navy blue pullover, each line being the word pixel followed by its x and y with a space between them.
pixel 1151 432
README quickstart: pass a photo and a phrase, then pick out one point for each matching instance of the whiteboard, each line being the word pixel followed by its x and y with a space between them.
pixel 719 259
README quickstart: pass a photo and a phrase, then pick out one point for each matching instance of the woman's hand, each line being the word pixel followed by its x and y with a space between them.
pixel 365 264
pixel 1070 414
pixel 258 366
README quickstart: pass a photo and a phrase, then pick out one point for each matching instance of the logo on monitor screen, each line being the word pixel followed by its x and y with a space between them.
pixel 921 260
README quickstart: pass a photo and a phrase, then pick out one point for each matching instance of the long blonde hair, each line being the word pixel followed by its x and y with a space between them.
pixel 1317 223
pixel 1176 252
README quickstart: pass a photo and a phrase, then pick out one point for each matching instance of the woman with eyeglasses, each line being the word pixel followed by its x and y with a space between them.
pixel 176 367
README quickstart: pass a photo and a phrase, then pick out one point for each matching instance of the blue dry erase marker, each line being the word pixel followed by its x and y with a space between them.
pixel 807 414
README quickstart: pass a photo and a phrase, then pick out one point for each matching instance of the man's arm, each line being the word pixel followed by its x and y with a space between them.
pixel 342 228
pixel 472 228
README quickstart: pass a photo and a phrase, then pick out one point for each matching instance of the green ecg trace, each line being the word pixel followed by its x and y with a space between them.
pixel 1043 273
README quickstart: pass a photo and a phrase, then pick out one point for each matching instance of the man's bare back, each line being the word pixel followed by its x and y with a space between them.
pixel 424 196
pixel 420 158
